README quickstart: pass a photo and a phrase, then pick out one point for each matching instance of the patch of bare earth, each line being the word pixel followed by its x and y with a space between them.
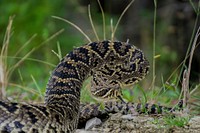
pixel 118 123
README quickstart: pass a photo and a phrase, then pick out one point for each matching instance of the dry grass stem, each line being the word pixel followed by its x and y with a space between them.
pixel 186 74
pixel 3 60
pixel 115 28
pixel 104 22
pixel 92 24
pixel 75 26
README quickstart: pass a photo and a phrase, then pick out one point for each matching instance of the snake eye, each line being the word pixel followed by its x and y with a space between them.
pixel 133 67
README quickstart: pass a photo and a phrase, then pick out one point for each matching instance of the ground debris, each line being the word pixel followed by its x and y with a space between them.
pixel 118 123
pixel 92 123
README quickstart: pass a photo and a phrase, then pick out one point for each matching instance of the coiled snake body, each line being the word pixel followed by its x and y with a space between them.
pixel 112 65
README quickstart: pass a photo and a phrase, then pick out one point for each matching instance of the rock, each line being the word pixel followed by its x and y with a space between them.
pixel 92 123
pixel 128 117
pixel 195 122
pixel 84 131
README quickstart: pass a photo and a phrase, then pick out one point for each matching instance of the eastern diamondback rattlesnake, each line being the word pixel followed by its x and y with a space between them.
pixel 111 63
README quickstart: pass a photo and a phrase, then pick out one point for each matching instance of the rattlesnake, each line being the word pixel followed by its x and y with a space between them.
pixel 112 64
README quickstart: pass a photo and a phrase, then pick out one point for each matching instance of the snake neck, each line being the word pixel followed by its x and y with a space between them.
pixel 63 88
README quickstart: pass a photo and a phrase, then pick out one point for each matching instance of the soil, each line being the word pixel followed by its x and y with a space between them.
pixel 118 123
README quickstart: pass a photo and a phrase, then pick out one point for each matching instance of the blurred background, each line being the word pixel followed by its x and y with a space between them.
pixel 33 26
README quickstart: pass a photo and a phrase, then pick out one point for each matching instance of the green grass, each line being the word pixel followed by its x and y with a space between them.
pixel 25 76
pixel 176 121
pixel 171 121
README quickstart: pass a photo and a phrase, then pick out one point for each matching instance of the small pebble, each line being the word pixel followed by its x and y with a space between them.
pixel 92 123
pixel 127 117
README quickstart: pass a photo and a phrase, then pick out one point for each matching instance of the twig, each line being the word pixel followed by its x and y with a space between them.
pixel 186 74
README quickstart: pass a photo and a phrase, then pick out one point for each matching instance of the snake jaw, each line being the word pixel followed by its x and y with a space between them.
pixel 106 92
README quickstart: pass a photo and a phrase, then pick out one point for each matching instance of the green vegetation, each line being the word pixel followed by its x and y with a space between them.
pixel 171 121
pixel 176 121
pixel 34 43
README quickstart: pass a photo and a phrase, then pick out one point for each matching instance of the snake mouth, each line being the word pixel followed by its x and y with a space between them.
pixel 109 94
pixel 129 82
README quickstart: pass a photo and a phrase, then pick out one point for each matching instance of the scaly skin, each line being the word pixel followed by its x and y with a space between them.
pixel 113 63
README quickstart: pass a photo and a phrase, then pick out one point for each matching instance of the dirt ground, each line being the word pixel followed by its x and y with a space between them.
pixel 118 123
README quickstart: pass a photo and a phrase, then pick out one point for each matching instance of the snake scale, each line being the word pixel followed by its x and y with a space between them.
pixel 112 64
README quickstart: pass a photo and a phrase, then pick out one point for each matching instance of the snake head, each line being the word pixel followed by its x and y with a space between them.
pixel 135 69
